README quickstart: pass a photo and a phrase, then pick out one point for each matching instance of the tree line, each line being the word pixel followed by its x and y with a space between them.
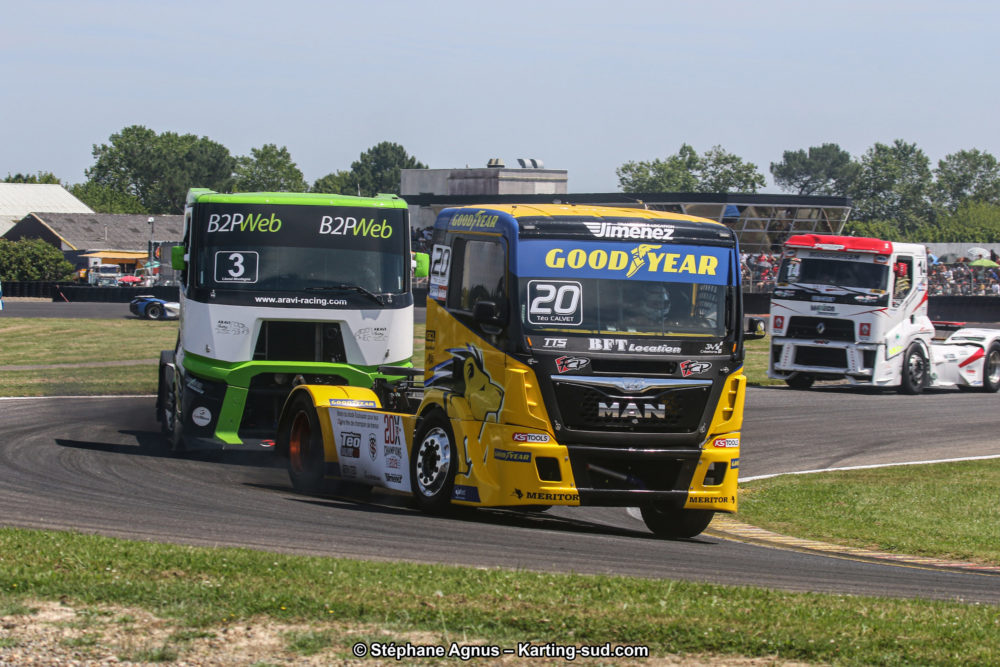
pixel 142 171
pixel 896 194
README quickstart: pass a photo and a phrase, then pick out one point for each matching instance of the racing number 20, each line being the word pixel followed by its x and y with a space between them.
pixel 554 302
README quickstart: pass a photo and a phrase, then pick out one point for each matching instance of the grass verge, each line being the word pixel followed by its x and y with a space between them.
pixel 210 589
pixel 927 510
pixel 39 340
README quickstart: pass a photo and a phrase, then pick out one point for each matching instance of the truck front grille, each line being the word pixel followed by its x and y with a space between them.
pixel 826 328
pixel 657 410
pixel 300 341
pixel 820 356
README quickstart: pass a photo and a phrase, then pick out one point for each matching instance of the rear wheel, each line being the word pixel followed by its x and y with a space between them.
pixel 675 523
pixel 433 464
pixel 991 368
pixel 800 381
pixel 303 439
pixel 154 311
pixel 914 371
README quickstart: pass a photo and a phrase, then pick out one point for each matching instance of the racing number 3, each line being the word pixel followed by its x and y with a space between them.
pixel 236 267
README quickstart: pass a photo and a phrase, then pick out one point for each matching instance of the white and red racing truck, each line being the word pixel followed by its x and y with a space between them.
pixel 856 309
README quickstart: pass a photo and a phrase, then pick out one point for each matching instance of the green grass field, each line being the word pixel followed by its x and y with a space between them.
pixel 206 592
pixel 203 591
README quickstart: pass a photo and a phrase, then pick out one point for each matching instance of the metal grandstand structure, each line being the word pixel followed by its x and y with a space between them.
pixel 761 222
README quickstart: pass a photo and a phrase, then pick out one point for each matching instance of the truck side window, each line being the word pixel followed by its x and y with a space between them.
pixel 903 274
pixel 478 274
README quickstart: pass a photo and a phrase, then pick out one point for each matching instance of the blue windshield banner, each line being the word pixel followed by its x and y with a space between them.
pixel 660 262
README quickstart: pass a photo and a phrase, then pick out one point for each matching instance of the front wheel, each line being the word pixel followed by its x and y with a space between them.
pixel 300 435
pixel 991 369
pixel 800 381
pixel 914 371
pixel 154 311
pixel 675 523
pixel 171 416
pixel 433 464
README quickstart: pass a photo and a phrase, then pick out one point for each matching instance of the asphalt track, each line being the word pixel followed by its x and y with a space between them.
pixel 98 465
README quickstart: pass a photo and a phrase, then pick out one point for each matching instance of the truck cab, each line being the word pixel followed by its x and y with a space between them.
pixel 855 309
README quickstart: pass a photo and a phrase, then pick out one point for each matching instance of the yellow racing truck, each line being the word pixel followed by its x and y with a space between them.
pixel 574 356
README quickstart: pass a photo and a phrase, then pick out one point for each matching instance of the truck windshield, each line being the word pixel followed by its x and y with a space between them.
pixel 299 248
pixel 649 308
pixel 838 273
pixel 653 289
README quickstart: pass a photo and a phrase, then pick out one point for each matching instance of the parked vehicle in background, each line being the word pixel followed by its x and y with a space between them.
pixel 104 275
pixel 855 309
pixel 149 307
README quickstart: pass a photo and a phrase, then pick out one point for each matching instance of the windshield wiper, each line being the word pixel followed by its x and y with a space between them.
pixel 341 287
pixel 813 290
pixel 850 289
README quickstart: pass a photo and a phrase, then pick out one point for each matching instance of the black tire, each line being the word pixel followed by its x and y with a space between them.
pixel 171 417
pixel 301 436
pixel 800 381
pixel 165 400
pixel 154 311
pixel 433 464
pixel 674 523
pixel 914 372
pixel 991 369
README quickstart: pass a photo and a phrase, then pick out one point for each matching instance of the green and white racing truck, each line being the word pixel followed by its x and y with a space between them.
pixel 279 289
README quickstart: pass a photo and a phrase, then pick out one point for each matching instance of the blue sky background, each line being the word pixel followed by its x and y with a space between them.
pixel 585 86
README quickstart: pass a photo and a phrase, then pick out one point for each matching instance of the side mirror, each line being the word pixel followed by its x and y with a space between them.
pixel 177 262
pixel 421 264
pixel 488 314
pixel 756 329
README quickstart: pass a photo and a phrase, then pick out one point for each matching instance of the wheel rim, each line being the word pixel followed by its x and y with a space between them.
pixel 433 462
pixel 298 442
pixel 993 367
pixel 917 369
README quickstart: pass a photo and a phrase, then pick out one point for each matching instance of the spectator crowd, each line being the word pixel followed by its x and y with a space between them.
pixel 963 277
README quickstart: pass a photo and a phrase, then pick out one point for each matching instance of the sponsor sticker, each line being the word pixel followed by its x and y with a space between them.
pixel 201 416
pixel 623 260
pixel 566 364
pixel 350 444
pixel 466 493
pixel 372 334
pixel 623 345
pixel 231 328
pixel 351 403
pixel 507 455
pixel 692 367
pixel 531 437
pixel 726 442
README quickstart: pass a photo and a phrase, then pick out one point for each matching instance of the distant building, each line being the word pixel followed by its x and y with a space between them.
pixel 530 178
pixel 761 222
pixel 112 238
pixel 19 199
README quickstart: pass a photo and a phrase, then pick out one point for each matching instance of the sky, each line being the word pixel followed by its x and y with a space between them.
pixel 582 85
